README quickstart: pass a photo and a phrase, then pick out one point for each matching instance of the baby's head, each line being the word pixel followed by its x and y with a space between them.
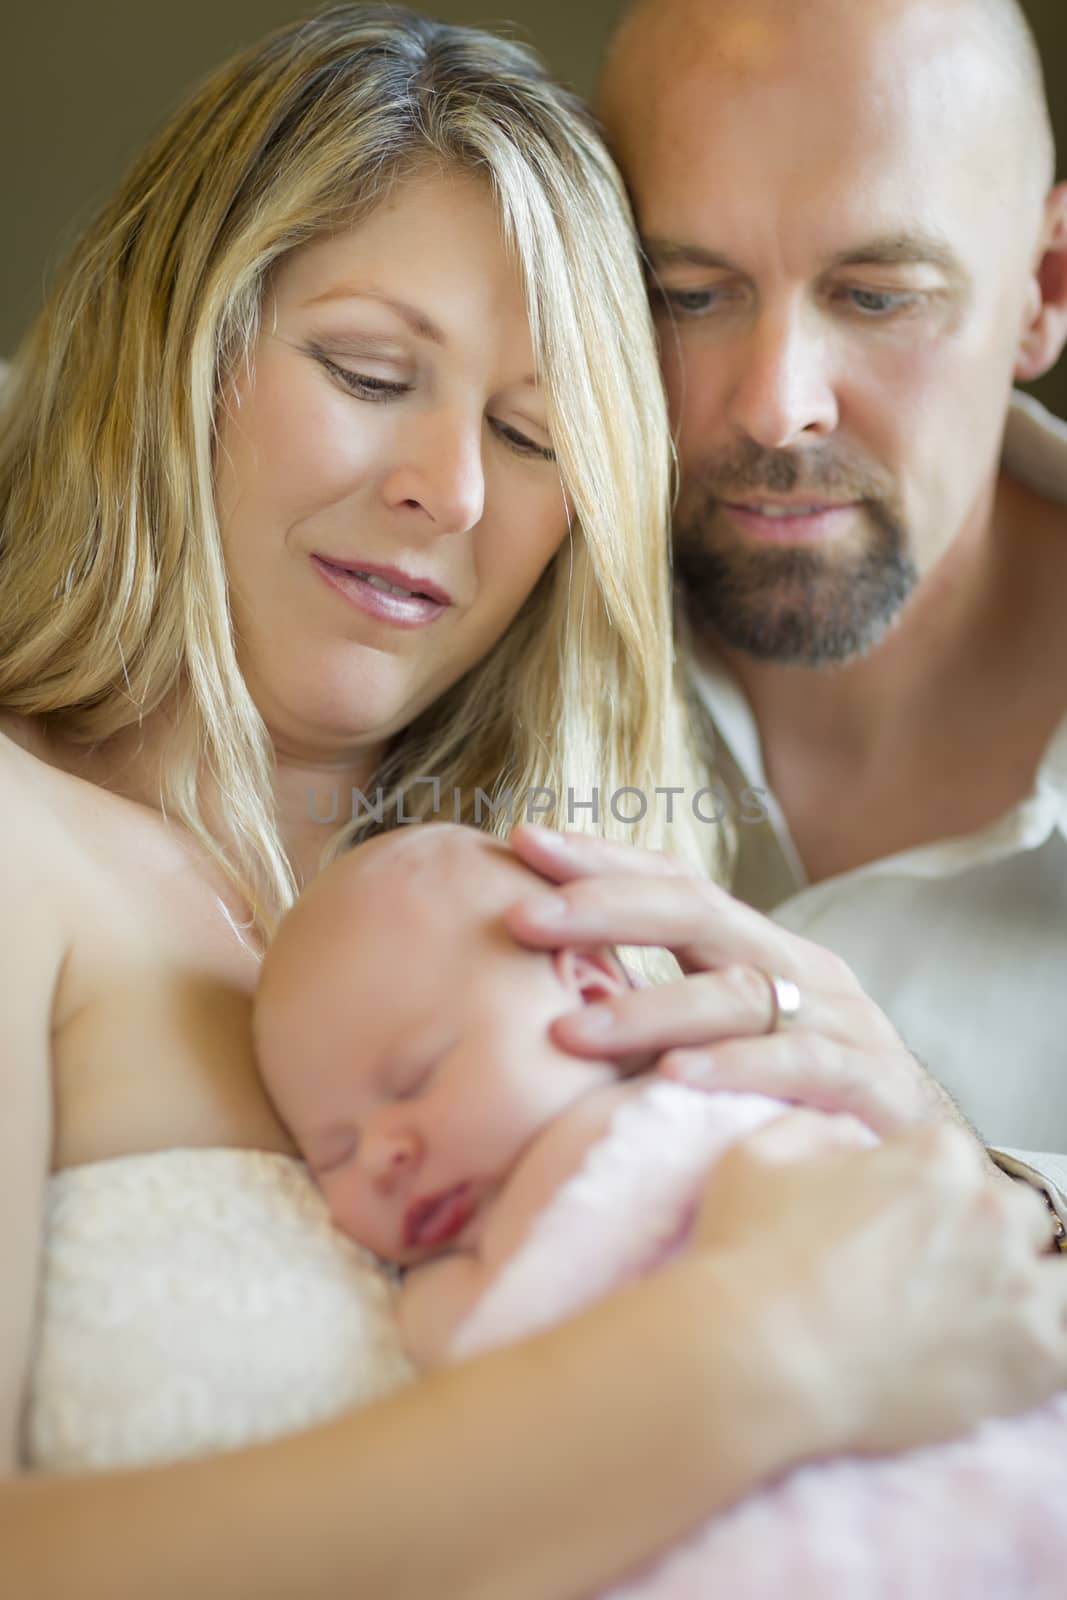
pixel 403 1035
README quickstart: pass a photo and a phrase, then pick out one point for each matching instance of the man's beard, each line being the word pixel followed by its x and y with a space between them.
pixel 802 604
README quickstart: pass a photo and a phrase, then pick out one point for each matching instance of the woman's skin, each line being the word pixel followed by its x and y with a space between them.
pixel 394 423
pixel 124 1028
pixel 143 983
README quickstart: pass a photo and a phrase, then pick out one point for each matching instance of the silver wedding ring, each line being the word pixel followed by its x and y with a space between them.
pixel 785 1001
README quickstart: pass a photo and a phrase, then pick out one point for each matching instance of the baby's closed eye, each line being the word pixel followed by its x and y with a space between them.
pixel 325 1151
pixel 412 1069
pixel 412 1080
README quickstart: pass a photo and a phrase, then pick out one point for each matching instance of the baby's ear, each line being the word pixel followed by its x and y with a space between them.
pixel 591 974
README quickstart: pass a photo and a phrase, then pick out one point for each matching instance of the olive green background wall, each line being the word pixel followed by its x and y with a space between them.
pixel 84 81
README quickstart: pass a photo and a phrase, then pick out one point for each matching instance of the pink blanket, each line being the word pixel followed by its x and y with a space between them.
pixel 982 1518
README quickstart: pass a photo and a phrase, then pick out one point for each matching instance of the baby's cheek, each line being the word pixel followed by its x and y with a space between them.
pixel 337 1195
pixel 344 1189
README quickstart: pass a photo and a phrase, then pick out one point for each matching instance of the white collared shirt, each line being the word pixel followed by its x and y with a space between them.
pixel 963 941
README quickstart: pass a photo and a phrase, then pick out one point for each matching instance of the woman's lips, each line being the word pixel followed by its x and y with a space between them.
pixel 403 611
pixel 437 1218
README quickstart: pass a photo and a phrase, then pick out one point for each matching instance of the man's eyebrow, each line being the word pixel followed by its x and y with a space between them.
pixel 903 249
pixel 672 253
pixel 417 320
pixel 891 249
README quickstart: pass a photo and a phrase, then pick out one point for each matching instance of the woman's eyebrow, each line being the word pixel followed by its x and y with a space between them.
pixel 417 320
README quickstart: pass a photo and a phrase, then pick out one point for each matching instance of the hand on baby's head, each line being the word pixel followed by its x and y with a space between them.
pixel 404 1036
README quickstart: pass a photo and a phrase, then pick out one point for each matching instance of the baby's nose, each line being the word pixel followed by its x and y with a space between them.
pixel 391 1155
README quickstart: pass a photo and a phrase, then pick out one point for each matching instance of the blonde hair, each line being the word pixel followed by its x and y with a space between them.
pixel 113 598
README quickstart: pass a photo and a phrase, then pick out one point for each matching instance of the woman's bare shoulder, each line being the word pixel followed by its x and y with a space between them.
pixel 26 786
pixel 35 857
pixel 15 729
pixel 22 732
pixel 32 951
pixel 19 766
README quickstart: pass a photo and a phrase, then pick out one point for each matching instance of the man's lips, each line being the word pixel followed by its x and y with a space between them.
pixel 437 1218
pixel 791 521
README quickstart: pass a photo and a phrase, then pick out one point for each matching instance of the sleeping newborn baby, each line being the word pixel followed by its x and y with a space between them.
pixel 404 1038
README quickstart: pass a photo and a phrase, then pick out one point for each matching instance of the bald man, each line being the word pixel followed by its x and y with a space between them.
pixel 855 248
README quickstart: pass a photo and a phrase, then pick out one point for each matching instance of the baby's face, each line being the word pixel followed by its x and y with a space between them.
pixel 403 1035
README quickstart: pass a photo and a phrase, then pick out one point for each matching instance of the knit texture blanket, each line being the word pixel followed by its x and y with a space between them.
pixel 982 1518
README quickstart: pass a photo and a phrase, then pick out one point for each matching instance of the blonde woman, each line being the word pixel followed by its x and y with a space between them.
pixel 335 463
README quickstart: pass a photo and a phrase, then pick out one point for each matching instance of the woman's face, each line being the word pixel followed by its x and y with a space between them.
pixel 386 487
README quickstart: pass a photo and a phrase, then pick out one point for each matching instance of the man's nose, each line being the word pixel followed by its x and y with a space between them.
pixel 442 474
pixel 784 386
pixel 389 1154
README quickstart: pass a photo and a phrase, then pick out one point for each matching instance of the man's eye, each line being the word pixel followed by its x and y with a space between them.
pixel 880 302
pixel 690 302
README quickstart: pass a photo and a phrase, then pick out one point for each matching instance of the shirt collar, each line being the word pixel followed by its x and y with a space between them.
pixel 1035 452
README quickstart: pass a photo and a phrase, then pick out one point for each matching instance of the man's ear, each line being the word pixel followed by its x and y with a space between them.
pixel 591 974
pixel 1045 327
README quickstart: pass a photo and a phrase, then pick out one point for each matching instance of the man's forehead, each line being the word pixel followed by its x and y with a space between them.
pixel 777 182
pixel 754 39
pixel 718 91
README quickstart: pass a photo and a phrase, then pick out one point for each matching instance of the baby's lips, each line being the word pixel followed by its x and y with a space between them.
pixel 435 1219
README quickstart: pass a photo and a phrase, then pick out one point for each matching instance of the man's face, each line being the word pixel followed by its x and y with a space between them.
pixel 840 267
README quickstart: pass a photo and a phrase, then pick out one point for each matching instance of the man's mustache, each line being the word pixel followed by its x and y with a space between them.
pixel 733 474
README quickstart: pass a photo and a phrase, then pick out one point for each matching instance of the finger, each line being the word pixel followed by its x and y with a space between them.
pixel 944 1149
pixel 563 856
pixel 629 1066
pixel 698 922
pixel 700 1010
pixel 808 1069
pixel 798 1134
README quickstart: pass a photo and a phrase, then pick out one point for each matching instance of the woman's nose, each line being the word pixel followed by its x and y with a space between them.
pixel 442 474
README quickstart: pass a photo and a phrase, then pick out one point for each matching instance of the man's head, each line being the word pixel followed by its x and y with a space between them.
pixel 403 1035
pixel 853 252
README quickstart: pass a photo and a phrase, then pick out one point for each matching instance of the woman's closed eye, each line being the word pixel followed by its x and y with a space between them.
pixel 365 385
pixel 520 442
pixel 373 387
